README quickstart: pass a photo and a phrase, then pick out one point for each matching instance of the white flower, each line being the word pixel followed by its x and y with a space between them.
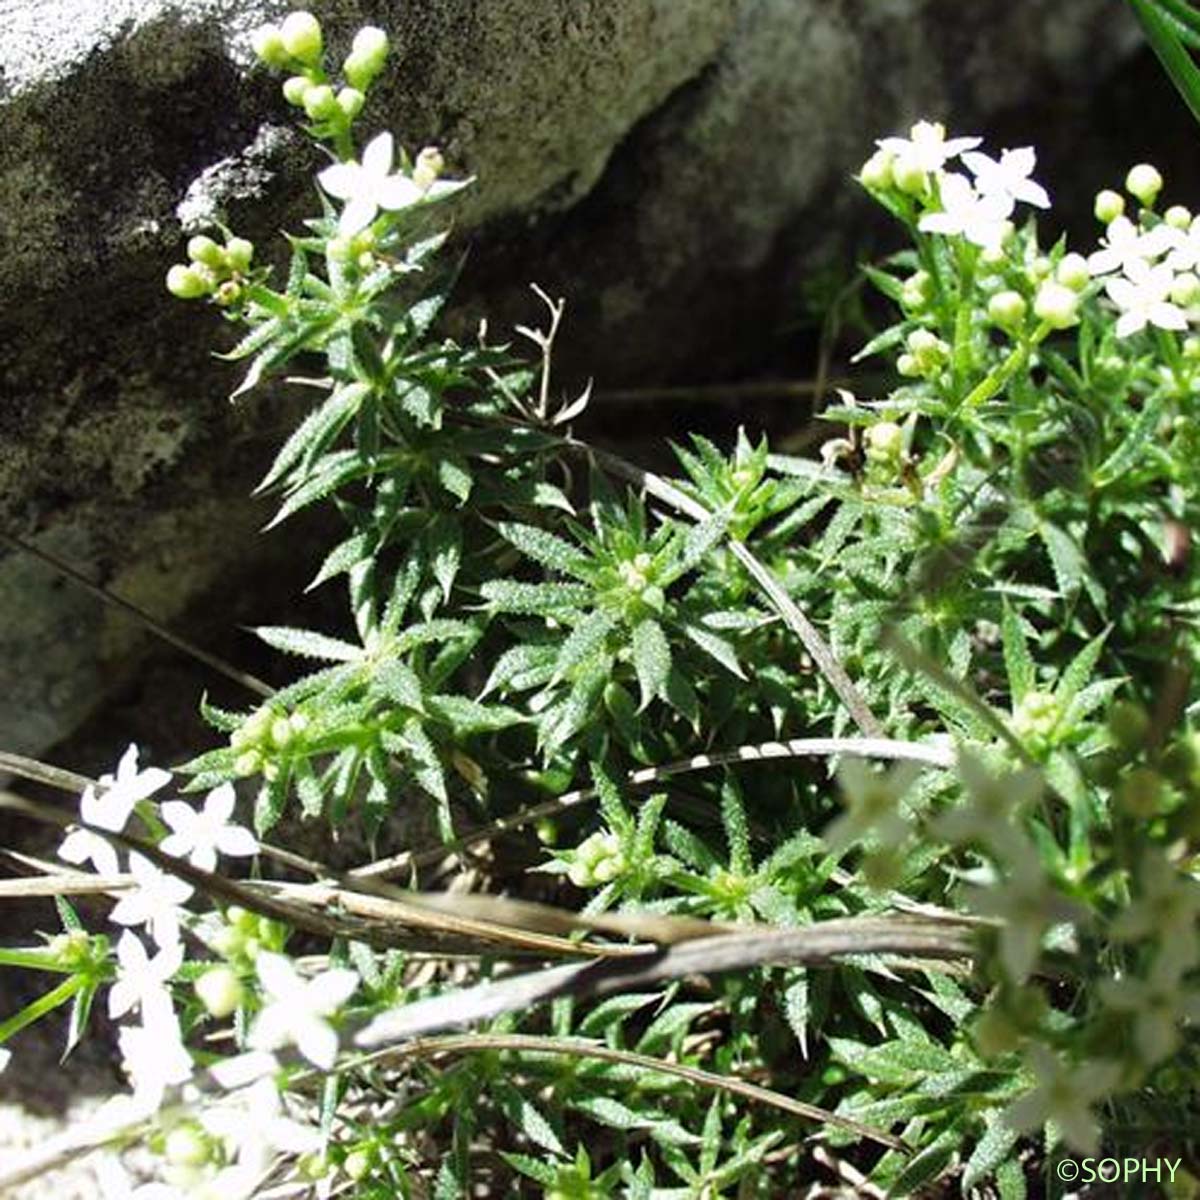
pixel 1166 908
pixel 1008 179
pixel 1142 296
pixel 1125 244
pixel 155 903
pixel 1064 1095
pixel 110 809
pixel 299 1009
pixel 926 146
pixel 1158 1003
pixel 872 802
pixel 141 980
pixel 982 220
pixel 115 1183
pixel 155 1057
pixel 200 836
pixel 1185 248
pixel 368 186
pixel 254 1128
pixel 5 1058
pixel 1028 904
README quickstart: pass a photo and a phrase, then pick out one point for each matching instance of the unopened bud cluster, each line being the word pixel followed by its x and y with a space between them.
pixel 597 860
pixel 220 272
pixel 298 46
pixel 262 738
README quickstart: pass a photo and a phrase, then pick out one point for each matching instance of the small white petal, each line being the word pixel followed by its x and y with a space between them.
pixel 219 804
pixel 341 180
pixel 236 841
pixel 397 192
pixel 377 157
pixel 357 214
pixel 318 1043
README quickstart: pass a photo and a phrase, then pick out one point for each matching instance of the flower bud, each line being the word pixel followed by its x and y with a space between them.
pixel 1007 309
pixel 917 290
pixel 296 88
pixel 1191 348
pixel 928 349
pixel 1073 272
pixel 1141 792
pixel 281 732
pixel 298 722
pixel 876 172
pixel 909 176
pixel 884 443
pixel 247 764
pixel 314 1166
pixel 350 100
pixel 366 58
pixel 1185 291
pixel 1037 718
pixel 358 1164
pixel 238 254
pixel 1177 217
pixel 229 293
pixel 186 1146
pixel 428 167
pixel 1144 183
pixel 186 282
pixel 268 46
pixel 204 250
pixel 547 831
pixel 908 366
pixel 300 34
pixel 220 991
pixel 1057 305
pixel 320 102
pixel 1109 206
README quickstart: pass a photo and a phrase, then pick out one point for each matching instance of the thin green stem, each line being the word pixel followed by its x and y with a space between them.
pixel 42 1005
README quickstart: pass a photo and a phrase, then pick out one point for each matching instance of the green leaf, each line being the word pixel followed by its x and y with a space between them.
pixel 547 549
pixel 316 431
pixel 535 599
pixel 443 542
pixel 396 680
pixel 1071 570
pixel 1132 449
pixel 584 641
pixel 651 659
pixel 990 1151
pixel 427 764
pixel 1018 663
pixel 306 644
pixel 271 801
pixel 1176 61
pixel 468 716
pixel 716 647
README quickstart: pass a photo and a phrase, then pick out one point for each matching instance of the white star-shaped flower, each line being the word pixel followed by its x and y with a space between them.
pixel 926 146
pixel 254 1128
pixel 1008 178
pixel 1159 1003
pixel 155 902
pixel 155 1057
pixel 368 186
pixel 200 836
pixel 982 220
pixel 110 809
pixel 1124 243
pixel 1142 295
pixel 299 1009
pixel 1184 252
pixel 1064 1095
pixel 141 980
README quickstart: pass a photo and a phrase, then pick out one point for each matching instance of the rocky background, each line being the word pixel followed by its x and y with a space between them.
pixel 678 169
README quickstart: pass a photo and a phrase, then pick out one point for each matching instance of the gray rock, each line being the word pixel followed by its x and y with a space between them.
pixel 672 166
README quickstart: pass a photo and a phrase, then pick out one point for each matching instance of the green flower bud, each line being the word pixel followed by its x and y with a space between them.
pixel 320 103
pixel 1191 347
pixel 298 722
pixel 995 256
pixel 268 46
pixel 428 167
pixel 238 254
pixel 1040 268
pixel 1037 718
pixel 917 290
pixel 909 176
pixel 71 949
pixel 1057 305
pixel 186 282
pixel 1109 206
pixel 186 1146
pixel 908 366
pixel 247 764
pixel 1073 272
pixel 1007 309
pixel 314 1166
pixel 228 294
pixel 300 34
pixel 220 991
pixel 204 250
pixel 547 831
pixel 296 88
pixel 281 732
pixel 1144 183
pixel 366 58
pixel 1177 217
pixel 229 942
pixel 876 172
pixel 1185 291
pixel 884 443
pixel 350 100
pixel 358 1164
pixel 928 349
